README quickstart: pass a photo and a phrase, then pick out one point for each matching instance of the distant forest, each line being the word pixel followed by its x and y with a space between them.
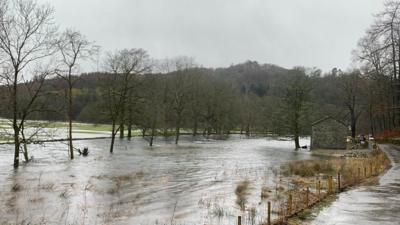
pixel 250 98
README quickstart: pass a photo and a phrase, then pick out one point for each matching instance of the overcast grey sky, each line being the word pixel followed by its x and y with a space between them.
pixel 216 33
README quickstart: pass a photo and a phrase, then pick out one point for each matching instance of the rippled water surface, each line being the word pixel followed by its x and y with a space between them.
pixel 378 204
pixel 192 183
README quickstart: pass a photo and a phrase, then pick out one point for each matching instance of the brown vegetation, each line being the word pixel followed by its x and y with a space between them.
pixel 242 191
pixel 311 181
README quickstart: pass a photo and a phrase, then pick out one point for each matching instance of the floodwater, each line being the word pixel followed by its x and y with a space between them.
pixel 44 134
pixel 192 183
pixel 377 204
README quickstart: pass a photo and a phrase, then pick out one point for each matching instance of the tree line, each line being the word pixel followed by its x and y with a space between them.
pixel 40 80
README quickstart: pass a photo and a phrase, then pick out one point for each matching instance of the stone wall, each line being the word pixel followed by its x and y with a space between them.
pixel 329 134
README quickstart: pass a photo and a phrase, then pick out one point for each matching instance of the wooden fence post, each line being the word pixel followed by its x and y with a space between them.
pixel 327 185
pixel 239 220
pixel 308 190
pixel 319 189
pixel 269 214
pixel 338 178
pixel 359 174
pixel 290 204
pixel 370 170
pixel 365 172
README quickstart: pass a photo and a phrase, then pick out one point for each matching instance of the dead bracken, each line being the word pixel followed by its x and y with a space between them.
pixel 242 191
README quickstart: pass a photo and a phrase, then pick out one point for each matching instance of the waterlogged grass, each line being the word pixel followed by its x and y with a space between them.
pixel 312 184
pixel 4 123
pixel 6 138
pixel 87 127
pixel 308 215
pixel 92 127
pixel 80 126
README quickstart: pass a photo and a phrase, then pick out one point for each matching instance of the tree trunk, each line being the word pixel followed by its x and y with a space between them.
pixel 129 130
pixel 26 156
pixel 165 132
pixel 296 132
pixel 16 149
pixel 353 124
pixel 122 130
pixel 113 133
pixel 144 132
pixel 152 136
pixel 209 131
pixel 71 148
pixel 122 122
pixel 130 108
pixel 371 120
pixel 15 121
pixel 296 141
pixel 177 129
pixel 393 44
pixel 248 130
pixel 195 127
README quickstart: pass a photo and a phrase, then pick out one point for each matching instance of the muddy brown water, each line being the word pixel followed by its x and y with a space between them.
pixel 367 205
pixel 192 183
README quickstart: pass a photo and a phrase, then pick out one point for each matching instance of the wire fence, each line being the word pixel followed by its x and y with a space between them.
pixel 295 200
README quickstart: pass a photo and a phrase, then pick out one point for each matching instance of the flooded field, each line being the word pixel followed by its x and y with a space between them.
pixel 193 183
pixel 367 205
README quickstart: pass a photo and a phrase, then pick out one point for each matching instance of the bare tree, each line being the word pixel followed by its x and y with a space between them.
pixel 152 103
pixel 165 66
pixel 380 48
pixel 351 92
pixel 73 47
pixel 180 88
pixel 27 35
pixel 296 95
pixel 124 65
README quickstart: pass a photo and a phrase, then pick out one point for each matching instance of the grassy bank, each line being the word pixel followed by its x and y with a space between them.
pixel 316 182
pixel 304 186
pixel 80 126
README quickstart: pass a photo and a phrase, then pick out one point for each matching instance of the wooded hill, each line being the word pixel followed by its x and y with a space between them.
pixel 248 97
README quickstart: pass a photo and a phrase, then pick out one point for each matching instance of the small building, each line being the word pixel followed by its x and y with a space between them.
pixel 328 133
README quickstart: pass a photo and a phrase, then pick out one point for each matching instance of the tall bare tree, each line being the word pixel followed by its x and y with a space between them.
pixel 180 90
pixel 73 47
pixel 124 65
pixel 380 48
pixel 379 52
pixel 351 93
pixel 27 36
pixel 152 103
pixel 296 95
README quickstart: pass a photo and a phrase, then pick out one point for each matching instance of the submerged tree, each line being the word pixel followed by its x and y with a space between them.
pixel 152 104
pixel 27 36
pixel 124 65
pixel 296 95
pixel 73 47
pixel 181 84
